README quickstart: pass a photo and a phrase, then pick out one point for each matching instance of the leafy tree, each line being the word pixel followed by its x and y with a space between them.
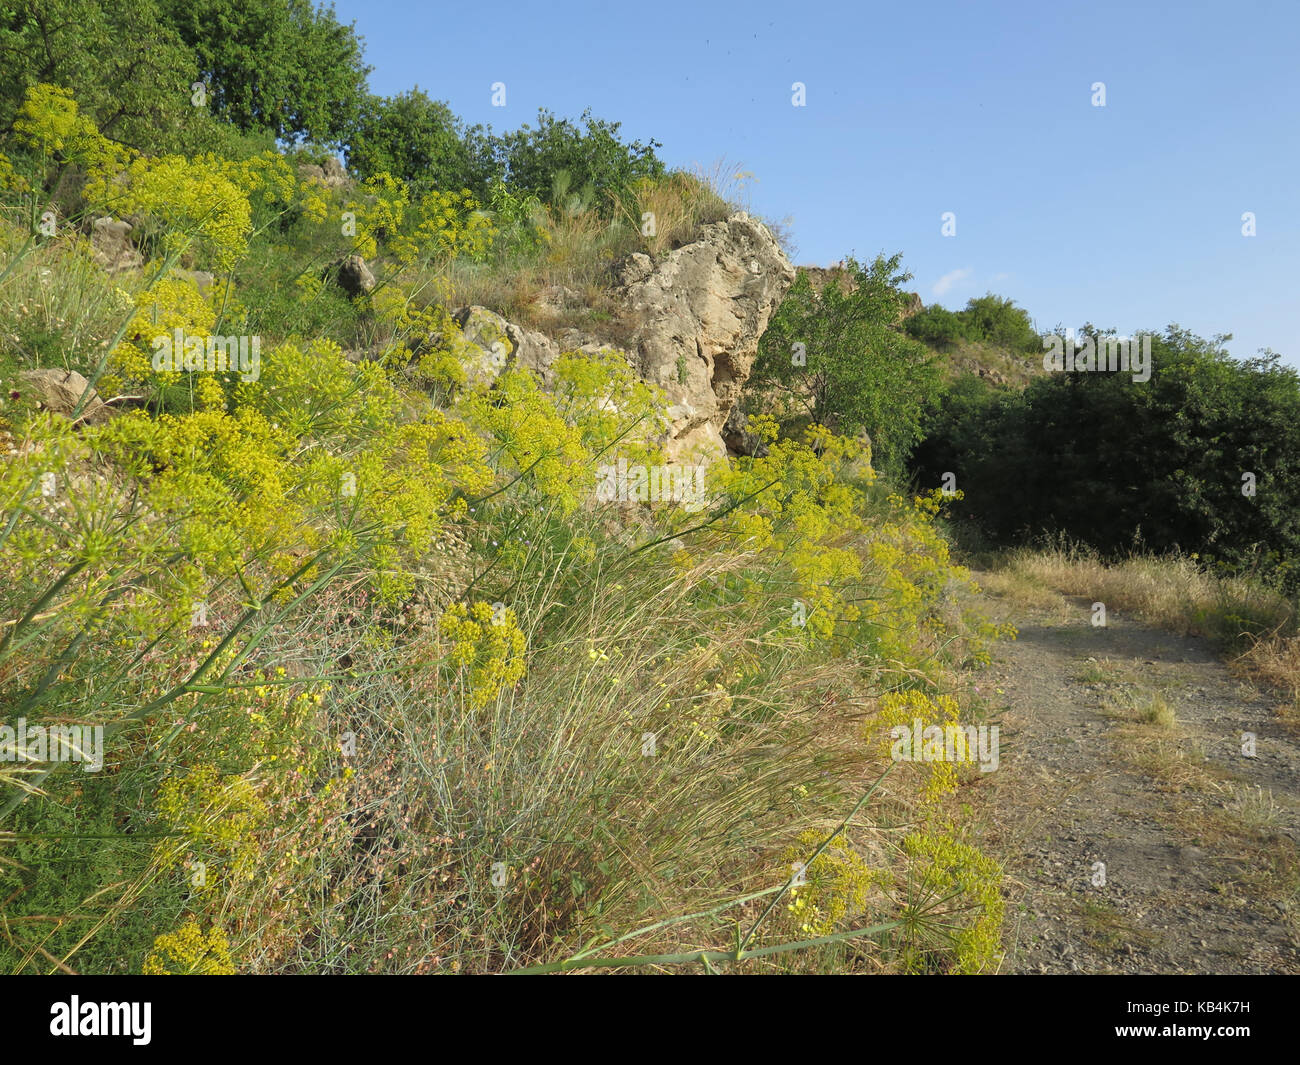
pixel 1001 322
pixel 417 139
pixel 987 318
pixel 128 73
pixel 937 326
pixel 837 356
pixel 281 66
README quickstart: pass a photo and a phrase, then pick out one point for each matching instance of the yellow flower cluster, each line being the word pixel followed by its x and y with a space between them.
pixel 488 643
pixel 48 120
pixel 194 199
pixel 189 951
pixel 447 225
pixel 267 180
pixel 379 212
pixel 609 404
pixel 216 817
pixel 428 335
pixel 834 884
pixel 10 180
pixel 535 437
pixel 172 303
pixel 904 708
pixel 970 881
pixel 797 505
pixel 314 200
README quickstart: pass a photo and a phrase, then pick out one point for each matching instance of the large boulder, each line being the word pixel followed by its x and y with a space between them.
pixel 738 437
pixel 336 174
pixel 695 318
pixel 487 348
pixel 333 175
pixel 494 343
pixel 701 444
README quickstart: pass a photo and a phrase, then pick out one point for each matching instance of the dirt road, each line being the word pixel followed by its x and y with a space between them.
pixel 1137 835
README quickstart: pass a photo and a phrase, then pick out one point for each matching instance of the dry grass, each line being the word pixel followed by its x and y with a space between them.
pixel 566 282
pixel 56 305
pixel 1108 930
pixel 678 204
pixel 1275 660
pixel 1255 807
pixel 1150 738
pixel 1145 707
pixel 1021 589
pixel 1172 763
pixel 1175 593
pixel 579 253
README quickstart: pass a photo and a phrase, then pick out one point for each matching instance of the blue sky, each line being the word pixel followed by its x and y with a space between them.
pixel 1127 215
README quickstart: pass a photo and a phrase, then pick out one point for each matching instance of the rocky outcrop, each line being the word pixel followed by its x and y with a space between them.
pixel 332 175
pixel 110 241
pixel 695 319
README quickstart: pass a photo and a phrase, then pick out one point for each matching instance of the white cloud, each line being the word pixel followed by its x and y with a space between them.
pixel 945 283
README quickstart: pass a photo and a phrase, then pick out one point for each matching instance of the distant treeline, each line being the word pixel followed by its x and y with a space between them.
pixel 1203 458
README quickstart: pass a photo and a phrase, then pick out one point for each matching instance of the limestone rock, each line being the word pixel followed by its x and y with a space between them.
pixel 696 317
pixel 61 390
pixel 496 344
pixel 336 175
pixel 352 275
pixel 700 445
pixel 333 175
pixel 110 240
pixel 488 348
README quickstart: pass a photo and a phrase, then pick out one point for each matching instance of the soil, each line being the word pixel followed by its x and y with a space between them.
pixel 1132 846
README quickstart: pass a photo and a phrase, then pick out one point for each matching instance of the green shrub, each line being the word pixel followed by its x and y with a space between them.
pixel 1113 462
pixel 835 359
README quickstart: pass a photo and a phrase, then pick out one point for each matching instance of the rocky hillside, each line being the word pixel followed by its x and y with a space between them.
pixel 694 318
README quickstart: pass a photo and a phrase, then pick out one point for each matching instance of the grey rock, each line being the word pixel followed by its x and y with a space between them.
pixel 60 391
pixel 113 249
pixel 352 275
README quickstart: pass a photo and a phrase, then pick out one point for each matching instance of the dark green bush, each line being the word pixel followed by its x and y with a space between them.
pixel 1110 461
pixel 417 139
pixel 937 326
